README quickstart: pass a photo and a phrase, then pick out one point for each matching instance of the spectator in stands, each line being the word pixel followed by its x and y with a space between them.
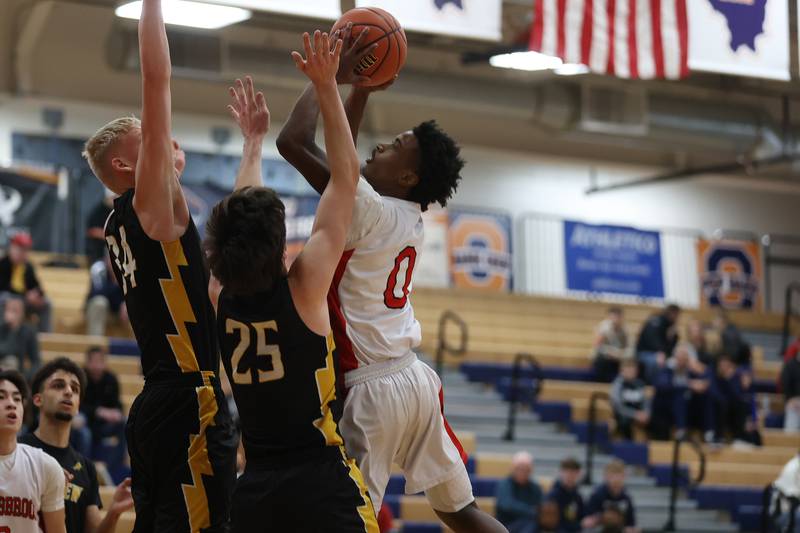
pixel 735 402
pixel 96 228
pixel 19 345
pixel 611 495
pixel 610 345
pixel 549 517
pixel 105 296
pixel 696 336
pixel 788 483
pixel 566 495
pixel 629 400
pixel 790 387
pixel 57 389
pixel 103 408
pixel 733 344
pixel 792 350
pixel 18 276
pixel 657 340
pixel 519 497
pixel 681 383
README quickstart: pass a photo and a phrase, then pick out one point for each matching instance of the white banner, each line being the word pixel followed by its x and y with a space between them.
pixel 433 264
pixel 740 37
pixel 322 9
pixel 476 19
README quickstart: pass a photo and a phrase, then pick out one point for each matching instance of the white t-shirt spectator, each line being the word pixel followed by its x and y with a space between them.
pixel 30 482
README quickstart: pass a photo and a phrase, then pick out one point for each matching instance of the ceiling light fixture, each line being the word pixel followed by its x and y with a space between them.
pixel 191 14
pixel 533 61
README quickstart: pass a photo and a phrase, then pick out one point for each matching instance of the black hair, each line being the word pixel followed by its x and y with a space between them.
pixel 570 463
pixel 12 376
pixel 62 363
pixel 245 240
pixel 93 350
pixel 439 166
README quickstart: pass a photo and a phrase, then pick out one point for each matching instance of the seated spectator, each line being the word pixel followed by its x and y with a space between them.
pixel 566 495
pixel 790 387
pixel 103 408
pixel 518 497
pixel 96 228
pixel 610 497
pixel 549 517
pixel 735 402
pixel 18 276
pixel 105 296
pixel 681 384
pixel 629 400
pixel 657 340
pixel 610 346
pixel 733 344
pixel 19 345
pixel 696 336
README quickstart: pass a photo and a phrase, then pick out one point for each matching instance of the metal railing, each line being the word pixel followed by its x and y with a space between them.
pixel 788 314
pixel 443 347
pixel 591 433
pixel 676 476
pixel 769 514
pixel 536 388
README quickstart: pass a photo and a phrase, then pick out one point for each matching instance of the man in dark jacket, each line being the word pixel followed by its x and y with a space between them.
pixel 566 495
pixel 657 340
pixel 790 386
pixel 519 497
pixel 18 276
pixel 102 407
pixel 19 346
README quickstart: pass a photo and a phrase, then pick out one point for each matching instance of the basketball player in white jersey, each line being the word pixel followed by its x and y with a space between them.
pixel 393 411
pixel 31 482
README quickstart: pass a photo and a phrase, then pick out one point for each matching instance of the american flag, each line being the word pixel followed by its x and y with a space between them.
pixel 625 38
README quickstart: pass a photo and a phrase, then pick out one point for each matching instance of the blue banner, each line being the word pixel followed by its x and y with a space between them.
pixel 613 259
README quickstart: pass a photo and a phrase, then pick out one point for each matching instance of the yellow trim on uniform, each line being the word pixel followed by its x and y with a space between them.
pixel 326 386
pixel 366 511
pixel 194 494
pixel 179 307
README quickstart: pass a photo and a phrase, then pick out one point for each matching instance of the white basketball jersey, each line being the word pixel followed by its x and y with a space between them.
pixel 370 306
pixel 30 482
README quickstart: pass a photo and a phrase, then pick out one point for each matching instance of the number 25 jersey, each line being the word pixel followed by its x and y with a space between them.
pixel 166 293
pixel 371 312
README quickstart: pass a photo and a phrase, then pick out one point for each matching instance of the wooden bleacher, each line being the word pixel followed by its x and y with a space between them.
pixel 559 332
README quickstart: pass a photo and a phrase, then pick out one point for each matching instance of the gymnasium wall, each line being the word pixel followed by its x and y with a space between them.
pixel 513 181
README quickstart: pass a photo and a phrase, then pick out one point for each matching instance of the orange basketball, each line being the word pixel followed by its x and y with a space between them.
pixel 383 64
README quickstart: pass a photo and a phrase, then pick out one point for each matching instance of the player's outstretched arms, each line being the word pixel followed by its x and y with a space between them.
pixel 158 200
pixel 249 110
pixel 312 272
pixel 296 142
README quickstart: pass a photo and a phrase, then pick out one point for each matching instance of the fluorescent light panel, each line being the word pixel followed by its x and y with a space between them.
pixel 532 61
pixel 191 14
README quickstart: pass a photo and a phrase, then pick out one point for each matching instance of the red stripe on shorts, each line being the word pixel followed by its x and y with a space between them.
pixel 449 430
pixel 344 348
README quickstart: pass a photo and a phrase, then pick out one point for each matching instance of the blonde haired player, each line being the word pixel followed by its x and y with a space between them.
pixel 31 482
pixel 180 436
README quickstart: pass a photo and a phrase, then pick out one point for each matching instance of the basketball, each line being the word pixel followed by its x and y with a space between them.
pixel 383 64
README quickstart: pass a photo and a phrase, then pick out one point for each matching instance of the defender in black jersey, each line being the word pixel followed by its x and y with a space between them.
pixel 276 339
pixel 180 436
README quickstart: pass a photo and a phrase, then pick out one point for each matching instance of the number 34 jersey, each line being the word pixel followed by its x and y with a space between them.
pixel 166 293
pixel 371 312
